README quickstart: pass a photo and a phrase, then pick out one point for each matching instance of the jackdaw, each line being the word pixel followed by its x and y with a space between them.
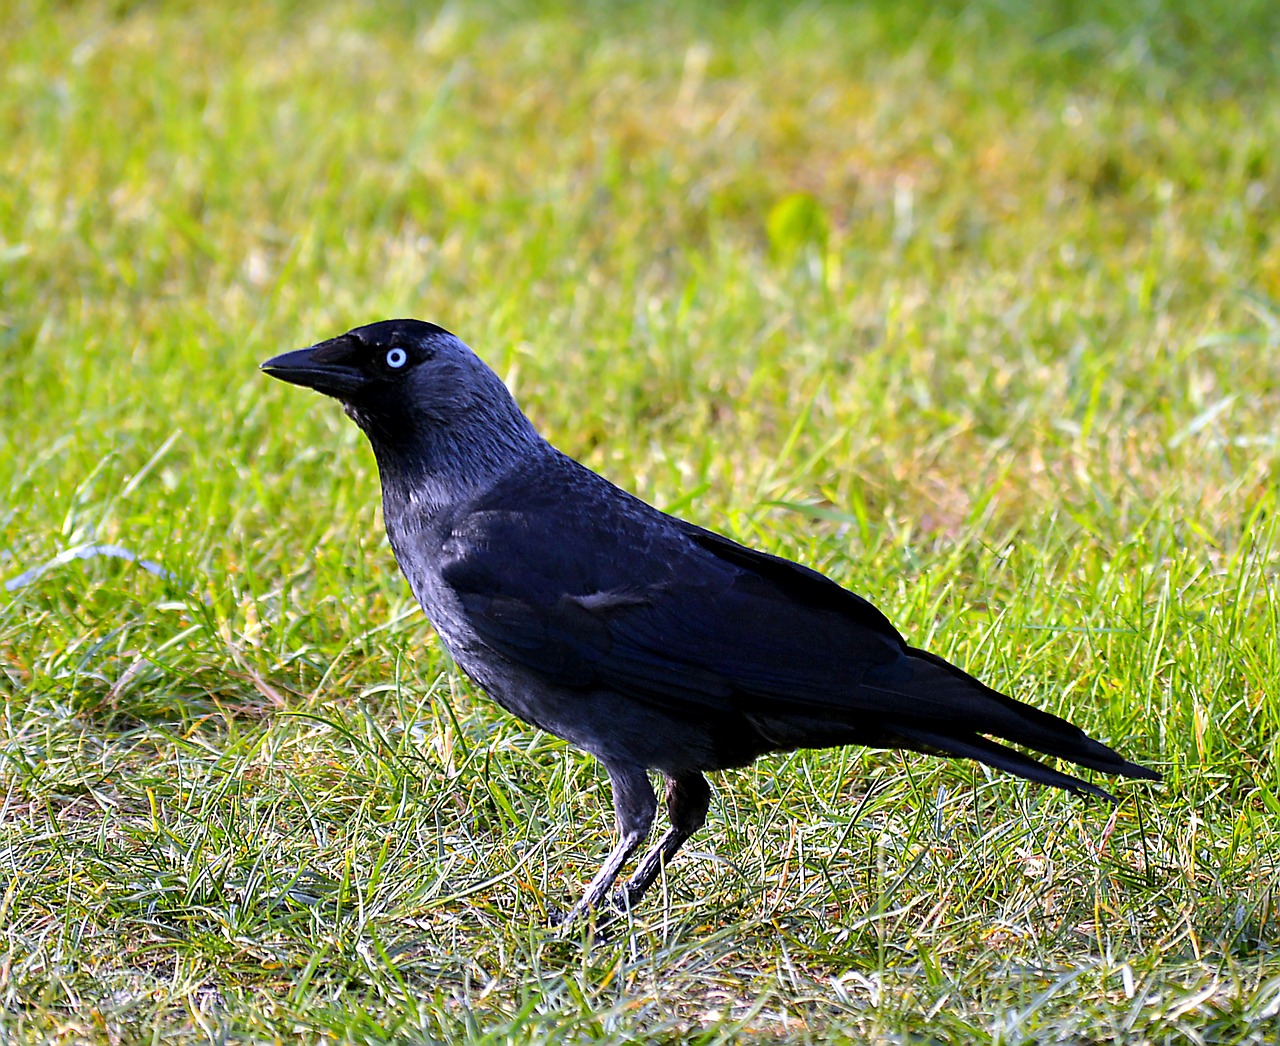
pixel 649 642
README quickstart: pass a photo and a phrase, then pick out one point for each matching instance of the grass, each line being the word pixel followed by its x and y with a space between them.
pixel 977 310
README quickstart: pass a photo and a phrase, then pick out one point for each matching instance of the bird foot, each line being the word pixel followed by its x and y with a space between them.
pixel 601 919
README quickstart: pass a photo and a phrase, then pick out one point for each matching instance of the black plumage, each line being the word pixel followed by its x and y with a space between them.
pixel 645 640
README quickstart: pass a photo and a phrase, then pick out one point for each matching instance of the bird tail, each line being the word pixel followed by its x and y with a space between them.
pixel 1010 720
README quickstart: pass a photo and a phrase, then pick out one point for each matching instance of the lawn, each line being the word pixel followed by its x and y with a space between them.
pixel 976 309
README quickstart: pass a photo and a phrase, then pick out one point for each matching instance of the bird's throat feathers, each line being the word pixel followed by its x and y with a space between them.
pixel 428 465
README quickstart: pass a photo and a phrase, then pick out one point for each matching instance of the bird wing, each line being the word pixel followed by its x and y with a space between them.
pixel 683 619
pixel 677 616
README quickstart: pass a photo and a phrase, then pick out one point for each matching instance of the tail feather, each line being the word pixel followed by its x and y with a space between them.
pixel 1022 724
pixel 989 752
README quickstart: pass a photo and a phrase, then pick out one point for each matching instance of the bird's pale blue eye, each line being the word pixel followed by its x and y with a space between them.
pixel 397 358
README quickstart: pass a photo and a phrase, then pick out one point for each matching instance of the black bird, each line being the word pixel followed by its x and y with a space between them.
pixel 649 642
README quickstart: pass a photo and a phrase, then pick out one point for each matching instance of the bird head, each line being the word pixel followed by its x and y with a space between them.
pixel 422 397
pixel 395 375
pixel 378 364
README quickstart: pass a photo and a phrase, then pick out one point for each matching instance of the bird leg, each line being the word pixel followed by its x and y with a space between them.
pixel 688 798
pixel 634 804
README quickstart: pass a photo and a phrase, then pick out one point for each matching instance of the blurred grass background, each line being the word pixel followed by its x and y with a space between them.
pixel 974 306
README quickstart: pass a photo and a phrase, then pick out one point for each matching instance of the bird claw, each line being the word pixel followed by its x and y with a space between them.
pixel 600 919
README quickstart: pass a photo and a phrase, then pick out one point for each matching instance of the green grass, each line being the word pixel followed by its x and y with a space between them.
pixel 976 310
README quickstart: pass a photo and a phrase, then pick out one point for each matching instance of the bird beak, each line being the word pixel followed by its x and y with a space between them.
pixel 328 367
